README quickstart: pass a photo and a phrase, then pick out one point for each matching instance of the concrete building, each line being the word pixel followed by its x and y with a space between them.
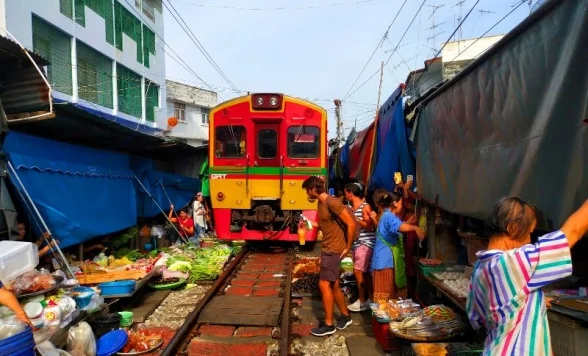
pixel 105 55
pixel 455 56
pixel 191 106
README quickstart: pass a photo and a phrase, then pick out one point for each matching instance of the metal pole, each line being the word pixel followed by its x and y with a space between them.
pixel 160 209
pixel 168 199
pixel 34 207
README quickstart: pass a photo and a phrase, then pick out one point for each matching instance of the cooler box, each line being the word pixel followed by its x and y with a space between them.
pixel 383 335
pixel 16 258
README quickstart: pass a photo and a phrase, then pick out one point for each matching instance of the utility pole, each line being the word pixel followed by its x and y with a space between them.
pixel 339 122
pixel 380 89
pixel 375 127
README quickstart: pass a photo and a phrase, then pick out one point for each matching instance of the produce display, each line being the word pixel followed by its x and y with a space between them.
pixel 448 275
pixel 164 281
pixel 395 310
pixel 435 322
pixel 307 284
pixel 140 342
pixel 459 287
pixel 201 264
pixel 102 264
pixel 306 265
pixel 32 282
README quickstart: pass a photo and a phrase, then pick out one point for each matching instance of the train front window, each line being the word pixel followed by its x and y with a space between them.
pixel 303 141
pixel 230 141
pixel 267 143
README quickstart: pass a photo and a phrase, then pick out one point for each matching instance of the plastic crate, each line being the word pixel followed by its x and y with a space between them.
pixel 568 337
pixel 427 270
pixel 384 336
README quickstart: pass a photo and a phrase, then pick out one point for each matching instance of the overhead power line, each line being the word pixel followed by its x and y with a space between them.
pixel 199 45
pixel 375 50
pixel 229 7
pixel 179 59
pixel 393 51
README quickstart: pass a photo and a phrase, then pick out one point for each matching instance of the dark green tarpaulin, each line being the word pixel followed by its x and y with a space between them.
pixel 514 122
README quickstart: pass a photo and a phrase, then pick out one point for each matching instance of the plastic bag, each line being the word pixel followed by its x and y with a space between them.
pixel 95 303
pixel 32 282
pixel 81 341
pixel 10 327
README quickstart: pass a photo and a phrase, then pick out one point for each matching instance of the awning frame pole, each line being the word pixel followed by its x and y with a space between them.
pixel 160 209
pixel 168 199
pixel 36 212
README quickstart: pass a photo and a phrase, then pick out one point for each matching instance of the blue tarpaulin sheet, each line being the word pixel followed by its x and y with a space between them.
pixel 180 190
pixel 393 151
pixel 80 192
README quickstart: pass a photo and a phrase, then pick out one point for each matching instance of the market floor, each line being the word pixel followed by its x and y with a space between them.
pixel 356 340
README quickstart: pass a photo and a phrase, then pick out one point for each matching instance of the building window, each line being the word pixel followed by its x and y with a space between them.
pixel 55 46
pixel 151 100
pixel 94 76
pixel 303 141
pixel 230 141
pixel 129 91
pixel 205 115
pixel 180 111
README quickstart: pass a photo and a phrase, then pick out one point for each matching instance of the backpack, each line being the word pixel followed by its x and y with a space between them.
pixel 342 224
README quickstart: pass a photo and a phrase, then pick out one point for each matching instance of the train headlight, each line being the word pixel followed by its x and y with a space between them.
pixel 259 101
pixel 274 101
pixel 267 101
pixel 220 196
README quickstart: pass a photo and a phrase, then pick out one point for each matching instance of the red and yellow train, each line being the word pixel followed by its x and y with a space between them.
pixel 262 147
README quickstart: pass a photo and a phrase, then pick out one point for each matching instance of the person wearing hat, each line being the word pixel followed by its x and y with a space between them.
pixel 199 214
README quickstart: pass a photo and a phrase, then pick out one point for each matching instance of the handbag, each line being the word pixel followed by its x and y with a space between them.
pixel 399 263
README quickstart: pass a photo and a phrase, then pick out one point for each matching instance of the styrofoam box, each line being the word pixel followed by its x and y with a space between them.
pixel 16 258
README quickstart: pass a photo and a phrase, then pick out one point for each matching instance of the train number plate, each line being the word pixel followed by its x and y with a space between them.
pixel 218 176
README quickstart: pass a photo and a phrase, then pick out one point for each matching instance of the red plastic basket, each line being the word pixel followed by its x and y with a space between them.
pixel 383 336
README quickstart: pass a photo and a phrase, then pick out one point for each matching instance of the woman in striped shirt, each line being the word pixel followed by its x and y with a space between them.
pixel 362 247
pixel 505 293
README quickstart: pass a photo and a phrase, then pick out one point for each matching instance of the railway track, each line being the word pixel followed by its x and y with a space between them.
pixel 245 312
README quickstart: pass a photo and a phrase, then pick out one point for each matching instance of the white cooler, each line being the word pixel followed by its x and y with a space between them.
pixel 16 258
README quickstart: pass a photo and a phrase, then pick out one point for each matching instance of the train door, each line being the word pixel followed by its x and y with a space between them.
pixel 267 153
pixel 266 161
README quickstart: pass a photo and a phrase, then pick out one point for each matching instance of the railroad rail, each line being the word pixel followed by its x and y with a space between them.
pixel 253 291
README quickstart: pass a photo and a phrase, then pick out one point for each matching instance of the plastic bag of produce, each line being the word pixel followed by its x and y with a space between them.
pixel 32 282
pixel 81 341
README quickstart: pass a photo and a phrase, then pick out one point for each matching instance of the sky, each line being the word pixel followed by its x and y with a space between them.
pixel 316 49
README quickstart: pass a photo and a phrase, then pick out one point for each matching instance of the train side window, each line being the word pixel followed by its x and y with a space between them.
pixel 267 143
pixel 304 141
pixel 230 141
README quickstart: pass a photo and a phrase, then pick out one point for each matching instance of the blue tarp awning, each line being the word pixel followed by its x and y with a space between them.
pixel 393 151
pixel 180 190
pixel 80 192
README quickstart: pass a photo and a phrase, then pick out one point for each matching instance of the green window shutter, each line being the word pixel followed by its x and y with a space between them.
pixel 104 9
pixel 94 76
pixel 148 44
pixel 151 100
pixel 65 7
pixel 129 91
pixel 80 9
pixel 54 45
pixel 118 24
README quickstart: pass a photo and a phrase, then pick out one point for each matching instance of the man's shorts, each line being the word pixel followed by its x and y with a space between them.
pixel 362 258
pixel 330 266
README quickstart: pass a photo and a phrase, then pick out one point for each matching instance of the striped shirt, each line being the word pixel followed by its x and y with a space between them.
pixel 506 298
pixel 366 238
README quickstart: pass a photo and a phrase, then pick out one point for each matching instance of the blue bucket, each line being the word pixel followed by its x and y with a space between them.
pixel 86 297
pixel 117 288
pixel 21 344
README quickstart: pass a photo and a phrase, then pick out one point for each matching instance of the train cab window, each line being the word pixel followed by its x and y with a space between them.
pixel 267 143
pixel 230 141
pixel 303 141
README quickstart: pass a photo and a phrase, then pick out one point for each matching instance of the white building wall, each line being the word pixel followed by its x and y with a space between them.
pixel 16 17
pixel 192 129
pixel 466 50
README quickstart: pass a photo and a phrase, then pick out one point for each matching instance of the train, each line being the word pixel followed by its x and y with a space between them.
pixel 261 149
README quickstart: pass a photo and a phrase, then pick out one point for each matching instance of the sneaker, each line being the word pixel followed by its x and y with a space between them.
pixel 358 306
pixel 344 322
pixel 323 330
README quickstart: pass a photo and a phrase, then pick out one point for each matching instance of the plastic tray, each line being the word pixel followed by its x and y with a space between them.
pixel 168 286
